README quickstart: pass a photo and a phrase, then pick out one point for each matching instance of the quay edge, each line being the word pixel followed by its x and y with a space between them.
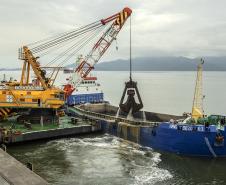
pixel 12 172
pixel 48 132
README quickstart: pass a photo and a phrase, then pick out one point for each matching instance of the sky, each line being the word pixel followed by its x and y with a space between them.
pixel 190 28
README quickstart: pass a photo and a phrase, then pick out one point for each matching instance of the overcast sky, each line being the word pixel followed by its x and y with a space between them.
pixel 189 28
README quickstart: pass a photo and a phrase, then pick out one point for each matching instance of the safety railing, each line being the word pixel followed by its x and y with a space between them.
pixel 96 115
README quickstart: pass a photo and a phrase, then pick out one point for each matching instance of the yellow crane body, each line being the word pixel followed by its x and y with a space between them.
pixel 30 97
pixel 40 93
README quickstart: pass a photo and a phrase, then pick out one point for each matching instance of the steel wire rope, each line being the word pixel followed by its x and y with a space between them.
pixel 69 49
pixel 58 42
pixel 52 44
pixel 130 50
pixel 60 34
pixel 84 44
pixel 57 47
pixel 62 39
pixel 78 49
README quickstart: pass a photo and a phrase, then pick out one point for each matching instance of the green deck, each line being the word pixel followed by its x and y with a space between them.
pixel 14 132
pixel 64 122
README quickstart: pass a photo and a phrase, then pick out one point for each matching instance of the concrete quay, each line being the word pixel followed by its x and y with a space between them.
pixel 12 172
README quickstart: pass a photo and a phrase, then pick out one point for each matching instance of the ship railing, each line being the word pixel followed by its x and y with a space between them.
pixel 3 87
pixel 96 115
pixel 6 87
pixel 28 88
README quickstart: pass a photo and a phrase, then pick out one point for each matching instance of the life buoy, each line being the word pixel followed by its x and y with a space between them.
pixel 219 138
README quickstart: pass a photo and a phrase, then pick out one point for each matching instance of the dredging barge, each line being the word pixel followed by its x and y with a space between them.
pixel 193 134
pixel 157 132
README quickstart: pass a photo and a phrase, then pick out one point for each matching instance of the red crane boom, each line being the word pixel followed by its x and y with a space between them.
pixel 98 49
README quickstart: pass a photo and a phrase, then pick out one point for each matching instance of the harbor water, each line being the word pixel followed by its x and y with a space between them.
pixel 107 160
pixel 104 159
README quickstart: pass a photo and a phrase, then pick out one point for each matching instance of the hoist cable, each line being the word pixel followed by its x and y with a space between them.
pixel 130 49
pixel 68 49
pixel 60 34
pixel 62 39
pixel 84 44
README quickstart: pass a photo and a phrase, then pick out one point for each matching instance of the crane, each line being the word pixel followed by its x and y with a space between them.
pixel 41 93
pixel 30 61
pixel 197 108
pixel 99 48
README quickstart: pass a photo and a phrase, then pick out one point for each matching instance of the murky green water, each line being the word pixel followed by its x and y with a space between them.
pixel 107 160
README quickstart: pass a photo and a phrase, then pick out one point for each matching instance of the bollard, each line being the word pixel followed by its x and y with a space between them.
pixel 3 147
pixel 29 166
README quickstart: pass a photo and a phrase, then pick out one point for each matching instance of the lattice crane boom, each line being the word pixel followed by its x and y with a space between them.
pixel 99 48
pixel 197 108
pixel 31 61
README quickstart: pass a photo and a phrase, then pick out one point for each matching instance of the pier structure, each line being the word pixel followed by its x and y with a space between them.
pixel 12 172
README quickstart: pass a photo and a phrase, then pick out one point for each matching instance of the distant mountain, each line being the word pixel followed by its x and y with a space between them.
pixel 10 69
pixel 157 64
pixel 163 64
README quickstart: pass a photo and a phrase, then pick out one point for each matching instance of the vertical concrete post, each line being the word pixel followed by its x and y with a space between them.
pixel 3 146
pixel 41 121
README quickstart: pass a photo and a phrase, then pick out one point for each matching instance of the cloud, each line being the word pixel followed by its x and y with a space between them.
pixel 169 27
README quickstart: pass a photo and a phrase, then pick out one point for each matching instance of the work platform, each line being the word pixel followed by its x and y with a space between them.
pixel 12 172
pixel 34 132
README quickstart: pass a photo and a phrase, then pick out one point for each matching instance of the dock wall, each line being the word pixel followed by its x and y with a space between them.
pixel 12 172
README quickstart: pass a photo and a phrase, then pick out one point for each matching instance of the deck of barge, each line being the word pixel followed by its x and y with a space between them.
pixel 64 128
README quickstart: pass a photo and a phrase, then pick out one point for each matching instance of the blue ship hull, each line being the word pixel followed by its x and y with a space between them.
pixel 85 98
pixel 182 139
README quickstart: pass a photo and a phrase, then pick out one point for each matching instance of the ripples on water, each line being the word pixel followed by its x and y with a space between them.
pixel 107 160
pixel 94 160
